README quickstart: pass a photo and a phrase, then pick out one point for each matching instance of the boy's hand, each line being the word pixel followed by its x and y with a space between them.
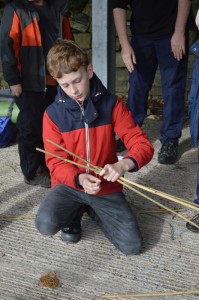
pixel 115 171
pixel 90 183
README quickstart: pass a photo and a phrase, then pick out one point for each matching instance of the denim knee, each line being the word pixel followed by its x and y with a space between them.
pixel 46 227
pixel 132 249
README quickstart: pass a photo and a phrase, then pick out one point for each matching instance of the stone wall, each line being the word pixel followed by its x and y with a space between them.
pixel 81 24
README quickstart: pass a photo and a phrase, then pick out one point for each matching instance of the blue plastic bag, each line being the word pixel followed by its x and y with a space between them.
pixel 6 126
pixel 6 131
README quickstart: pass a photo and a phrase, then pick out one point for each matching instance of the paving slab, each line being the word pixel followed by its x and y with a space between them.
pixel 93 267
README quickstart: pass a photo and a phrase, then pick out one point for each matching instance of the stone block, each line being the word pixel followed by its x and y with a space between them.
pixel 88 8
pixel 83 40
pixel 121 86
pixel 119 61
pixel 122 74
pixel 80 22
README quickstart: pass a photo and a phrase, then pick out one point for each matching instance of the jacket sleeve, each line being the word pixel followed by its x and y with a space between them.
pixel 60 171
pixel 10 40
pixel 119 4
pixel 135 139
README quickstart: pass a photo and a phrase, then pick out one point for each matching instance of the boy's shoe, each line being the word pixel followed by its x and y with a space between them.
pixel 41 178
pixel 191 227
pixel 168 153
pixel 120 146
pixel 71 234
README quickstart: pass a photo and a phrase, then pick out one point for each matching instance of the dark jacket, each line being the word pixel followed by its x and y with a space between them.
pixel 22 56
pixel 91 135
pixel 194 97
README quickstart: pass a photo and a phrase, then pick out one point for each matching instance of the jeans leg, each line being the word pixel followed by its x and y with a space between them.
pixel 117 221
pixel 59 208
pixel 141 79
pixel 173 80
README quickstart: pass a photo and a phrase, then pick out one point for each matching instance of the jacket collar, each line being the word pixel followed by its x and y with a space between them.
pixel 97 91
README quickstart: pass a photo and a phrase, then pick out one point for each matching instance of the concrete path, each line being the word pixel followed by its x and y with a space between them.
pixel 93 267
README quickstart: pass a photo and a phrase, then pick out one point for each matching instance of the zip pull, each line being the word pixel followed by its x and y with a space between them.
pixel 81 112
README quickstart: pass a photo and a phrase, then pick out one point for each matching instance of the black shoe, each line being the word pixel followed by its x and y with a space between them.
pixel 191 227
pixel 168 153
pixel 41 178
pixel 120 146
pixel 71 234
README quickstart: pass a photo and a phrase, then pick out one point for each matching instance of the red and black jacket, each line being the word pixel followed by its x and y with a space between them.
pixel 21 50
pixel 91 135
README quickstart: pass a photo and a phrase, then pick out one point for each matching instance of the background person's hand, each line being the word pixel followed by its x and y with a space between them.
pixel 16 89
pixel 128 57
pixel 90 183
pixel 178 45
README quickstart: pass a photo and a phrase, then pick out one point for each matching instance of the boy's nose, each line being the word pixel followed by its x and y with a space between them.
pixel 74 90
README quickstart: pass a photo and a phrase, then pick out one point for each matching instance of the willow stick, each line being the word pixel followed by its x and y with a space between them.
pixel 10 218
pixel 111 296
pixel 159 204
pixel 151 211
pixel 74 155
pixel 150 190
pixel 159 193
pixel 124 184
pixel 65 159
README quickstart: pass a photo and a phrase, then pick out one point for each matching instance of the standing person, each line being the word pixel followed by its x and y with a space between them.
pixel 28 30
pixel 84 118
pixel 194 116
pixel 159 38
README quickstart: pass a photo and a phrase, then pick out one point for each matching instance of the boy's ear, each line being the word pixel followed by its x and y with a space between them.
pixel 90 71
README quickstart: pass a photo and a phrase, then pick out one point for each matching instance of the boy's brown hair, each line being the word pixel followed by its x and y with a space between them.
pixel 65 57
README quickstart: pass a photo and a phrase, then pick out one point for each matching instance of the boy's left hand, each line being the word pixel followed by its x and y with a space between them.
pixel 112 172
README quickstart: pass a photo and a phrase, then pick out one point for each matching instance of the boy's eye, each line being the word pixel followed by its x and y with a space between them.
pixel 77 81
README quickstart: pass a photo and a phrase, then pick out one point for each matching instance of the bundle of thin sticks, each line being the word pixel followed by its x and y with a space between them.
pixel 128 183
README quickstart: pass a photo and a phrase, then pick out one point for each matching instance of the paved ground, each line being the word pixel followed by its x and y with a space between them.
pixel 93 267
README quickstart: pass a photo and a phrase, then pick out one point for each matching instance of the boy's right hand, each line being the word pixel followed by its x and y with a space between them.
pixel 90 183
pixel 16 89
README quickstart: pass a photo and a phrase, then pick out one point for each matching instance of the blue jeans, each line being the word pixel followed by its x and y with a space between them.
pixel 113 215
pixel 149 55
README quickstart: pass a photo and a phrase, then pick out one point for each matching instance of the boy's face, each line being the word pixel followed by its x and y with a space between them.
pixel 76 84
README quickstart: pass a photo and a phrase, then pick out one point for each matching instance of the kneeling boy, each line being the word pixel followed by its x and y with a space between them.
pixel 85 118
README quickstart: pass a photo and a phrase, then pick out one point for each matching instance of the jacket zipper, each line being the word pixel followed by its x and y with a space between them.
pixel 87 137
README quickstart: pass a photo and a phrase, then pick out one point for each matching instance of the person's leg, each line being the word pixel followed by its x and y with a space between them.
pixel 59 210
pixel 29 123
pixel 117 221
pixel 173 81
pixel 195 219
pixel 197 188
pixel 141 79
